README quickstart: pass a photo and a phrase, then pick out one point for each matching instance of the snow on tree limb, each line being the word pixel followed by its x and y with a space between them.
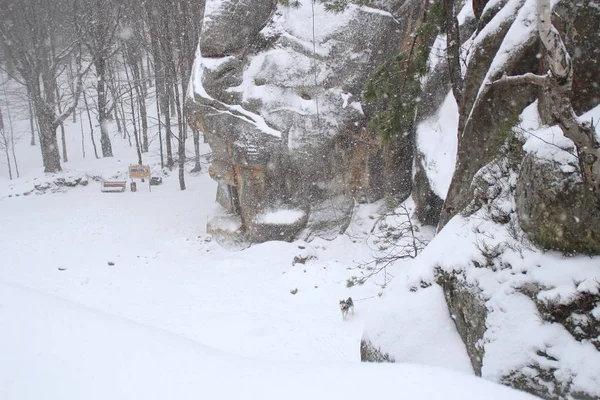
pixel 528 78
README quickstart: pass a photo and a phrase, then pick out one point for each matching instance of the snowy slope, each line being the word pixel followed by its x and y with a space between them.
pixel 55 349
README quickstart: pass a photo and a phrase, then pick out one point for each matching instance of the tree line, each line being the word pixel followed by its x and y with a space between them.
pixel 102 57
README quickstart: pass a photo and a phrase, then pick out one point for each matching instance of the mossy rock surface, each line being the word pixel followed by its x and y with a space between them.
pixel 555 210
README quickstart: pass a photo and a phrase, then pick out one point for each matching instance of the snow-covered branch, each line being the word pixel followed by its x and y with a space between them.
pixel 528 78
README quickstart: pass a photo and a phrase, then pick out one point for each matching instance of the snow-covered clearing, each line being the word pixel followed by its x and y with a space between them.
pixel 176 315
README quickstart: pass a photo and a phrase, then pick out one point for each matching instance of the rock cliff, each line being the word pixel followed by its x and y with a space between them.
pixel 277 93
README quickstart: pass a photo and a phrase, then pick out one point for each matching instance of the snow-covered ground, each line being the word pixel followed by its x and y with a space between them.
pixel 57 349
pixel 176 316
pixel 124 295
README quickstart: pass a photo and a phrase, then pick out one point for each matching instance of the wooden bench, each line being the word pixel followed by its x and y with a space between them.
pixel 113 186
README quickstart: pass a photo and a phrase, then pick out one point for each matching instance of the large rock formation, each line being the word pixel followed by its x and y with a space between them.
pixel 488 113
pixel 279 104
pixel 506 43
pixel 528 318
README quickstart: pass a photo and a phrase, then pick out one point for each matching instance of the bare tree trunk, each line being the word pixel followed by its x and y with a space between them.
pixel 166 111
pixel 31 123
pixel 132 106
pixel 133 60
pixel 87 109
pixel 197 165
pixel 63 140
pixel 5 144
pixel 12 146
pixel 112 88
pixel 126 134
pixel 558 89
pixel 49 143
pixel 144 119
pixel 152 16
pixel 172 96
pixel 162 159
pixel 181 149
pixel 82 136
pixel 10 136
pixel 103 115
pixel 135 132
pixel 149 70
pixel 31 116
pixel 143 76
pixel 117 119
pixel 70 76
pixel 453 50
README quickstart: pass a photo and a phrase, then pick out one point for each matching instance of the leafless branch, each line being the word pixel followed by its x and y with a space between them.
pixel 528 78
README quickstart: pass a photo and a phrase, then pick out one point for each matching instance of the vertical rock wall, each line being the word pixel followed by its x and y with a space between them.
pixel 279 104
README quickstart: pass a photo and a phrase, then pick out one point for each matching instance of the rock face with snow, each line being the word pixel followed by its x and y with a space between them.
pixel 554 208
pixel 506 42
pixel 277 94
pixel 489 113
pixel 467 307
pixel 537 190
pixel 527 318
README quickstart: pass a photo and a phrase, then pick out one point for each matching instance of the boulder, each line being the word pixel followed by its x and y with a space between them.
pixel 555 210
pixel 282 224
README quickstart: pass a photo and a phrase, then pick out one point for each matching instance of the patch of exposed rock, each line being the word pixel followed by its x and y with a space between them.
pixel 371 353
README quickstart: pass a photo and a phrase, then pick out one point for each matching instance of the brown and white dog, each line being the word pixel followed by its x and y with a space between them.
pixel 345 306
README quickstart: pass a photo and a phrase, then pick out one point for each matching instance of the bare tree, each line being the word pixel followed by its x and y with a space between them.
pixel 5 145
pixel 132 107
pixel 395 236
pixel 31 30
pixel 98 23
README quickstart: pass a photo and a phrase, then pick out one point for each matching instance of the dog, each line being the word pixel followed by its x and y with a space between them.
pixel 345 306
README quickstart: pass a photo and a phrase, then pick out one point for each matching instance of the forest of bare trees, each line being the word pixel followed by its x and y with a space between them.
pixel 99 61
